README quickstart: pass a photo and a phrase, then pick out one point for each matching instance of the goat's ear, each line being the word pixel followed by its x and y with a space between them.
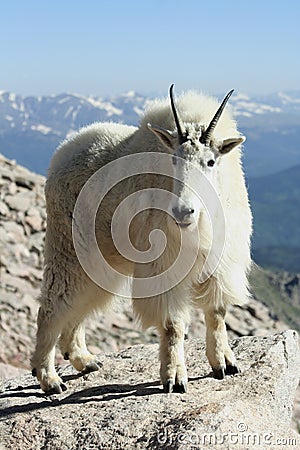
pixel 165 136
pixel 229 144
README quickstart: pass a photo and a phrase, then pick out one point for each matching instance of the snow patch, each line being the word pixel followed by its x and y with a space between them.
pixel 241 97
pixel 68 112
pixel 130 94
pixel 12 97
pixel 138 111
pixel 42 129
pixel 255 108
pixel 286 99
pixel 63 100
pixel 107 106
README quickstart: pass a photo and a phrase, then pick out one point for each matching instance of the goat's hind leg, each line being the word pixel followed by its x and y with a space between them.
pixel 73 347
pixel 72 341
pixel 42 362
pixel 218 352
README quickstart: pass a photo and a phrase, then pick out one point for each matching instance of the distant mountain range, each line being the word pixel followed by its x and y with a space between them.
pixel 275 202
pixel 32 127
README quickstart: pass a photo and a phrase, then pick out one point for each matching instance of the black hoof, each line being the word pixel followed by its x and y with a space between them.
pixel 180 387
pixel 92 366
pixel 34 372
pixel 168 386
pixel 231 370
pixel 219 374
pixel 66 356
pixel 56 389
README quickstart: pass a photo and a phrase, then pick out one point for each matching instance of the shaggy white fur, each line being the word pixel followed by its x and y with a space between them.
pixel 68 294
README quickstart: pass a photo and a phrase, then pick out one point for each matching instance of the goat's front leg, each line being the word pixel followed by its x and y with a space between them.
pixel 218 352
pixel 172 370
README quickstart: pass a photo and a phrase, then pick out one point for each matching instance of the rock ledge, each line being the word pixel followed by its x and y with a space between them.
pixel 122 406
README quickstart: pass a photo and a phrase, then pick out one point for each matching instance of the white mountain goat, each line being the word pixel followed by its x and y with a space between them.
pixel 193 151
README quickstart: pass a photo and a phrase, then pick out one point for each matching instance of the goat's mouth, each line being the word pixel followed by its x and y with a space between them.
pixel 184 224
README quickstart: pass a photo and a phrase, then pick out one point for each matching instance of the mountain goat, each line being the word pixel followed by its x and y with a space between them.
pixel 159 213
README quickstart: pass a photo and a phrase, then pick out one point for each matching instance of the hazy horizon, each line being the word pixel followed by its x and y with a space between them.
pixel 160 93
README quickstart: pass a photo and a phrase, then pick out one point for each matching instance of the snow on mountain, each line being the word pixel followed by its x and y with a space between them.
pixel 42 128
pixel 243 106
pixel 31 127
pixel 61 113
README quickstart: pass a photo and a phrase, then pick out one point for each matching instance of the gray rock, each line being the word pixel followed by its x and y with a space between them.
pixel 20 201
pixel 9 371
pixel 12 188
pixel 34 211
pixel 3 235
pixel 35 222
pixel 4 210
pixel 26 178
pixel 122 406
pixel 15 232
pixel 296 416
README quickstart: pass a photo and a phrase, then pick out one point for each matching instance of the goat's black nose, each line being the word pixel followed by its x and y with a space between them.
pixel 182 213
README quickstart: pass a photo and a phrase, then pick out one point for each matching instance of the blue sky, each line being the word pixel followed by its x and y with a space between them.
pixel 108 47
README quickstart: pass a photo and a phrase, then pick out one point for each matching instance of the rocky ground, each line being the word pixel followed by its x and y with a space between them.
pixel 22 230
pixel 122 406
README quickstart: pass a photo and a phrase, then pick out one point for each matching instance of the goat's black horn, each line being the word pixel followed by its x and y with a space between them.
pixel 206 136
pixel 175 114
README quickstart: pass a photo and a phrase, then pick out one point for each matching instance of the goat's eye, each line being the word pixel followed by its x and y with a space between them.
pixel 211 163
